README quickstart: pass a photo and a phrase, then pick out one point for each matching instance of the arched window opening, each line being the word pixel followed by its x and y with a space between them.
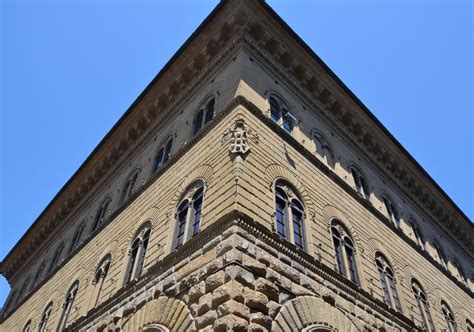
pixel 163 155
pixel 391 211
pixel 459 273
pixel 469 325
pixel 129 186
pixel 23 289
pixel 388 283
pixel 440 257
pixel 417 233
pixel 27 327
pixel 448 316
pixel 38 275
pixel 423 305
pixel 137 254
pixel 360 183
pixel 45 317
pixel 100 216
pixel 56 257
pixel 189 214
pixel 98 281
pixel 77 237
pixel 289 215
pixel 344 252
pixel 67 306
pixel 203 116
pixel 281 116
pixel 323 150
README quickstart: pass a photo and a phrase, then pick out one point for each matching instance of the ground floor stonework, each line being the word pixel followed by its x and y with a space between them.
pixel 236 275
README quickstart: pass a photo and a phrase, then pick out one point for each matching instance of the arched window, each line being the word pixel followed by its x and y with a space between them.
pixel 388 283
pixel 203 116
pixel 423 305
pixel 38 275
pixel 67 306
pixel 360 183
pixel 469 325
pixel 189 214
pixel 458 272
pixel 98 281
pixel 137 254
pixel 77 237
pixel 100 216
pixel 23 289
pixel 289 215
pixel 416 232
pixel 323 150
pixel 448 316
pixel 280 115
pixel 45 317
pixel 129 186
pixel 164 153
pixel 439 254
pixel 27 327
pixel 56 257
pixel 344 252
pixel 391 211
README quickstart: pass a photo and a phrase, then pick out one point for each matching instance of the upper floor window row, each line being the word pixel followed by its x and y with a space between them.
pixel 203 116
pixel 280 114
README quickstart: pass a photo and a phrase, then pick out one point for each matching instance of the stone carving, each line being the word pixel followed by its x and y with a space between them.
pixel 238 137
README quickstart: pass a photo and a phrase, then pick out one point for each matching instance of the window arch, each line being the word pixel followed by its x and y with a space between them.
pixel 98 281
pixel 204 115
pixel 101 212
pixel 459 273
pixel 289 214
pixel 440 257
pixel 448 316
pixel 387 282
pixel 56 258
pixel 38 275
pixel 423 305
pixel 27 327
pixel 189 213
pixel 469 325
pixel 417 234
pixel 163 155
pixel 391 210
pixel 67 306
pixel 23 289
pixel 280 115
pixel 137 254
pixel 45 317
pixel 344 252
pixel 323 149
pixel 360 182
pixel 129 186
pixel 76 240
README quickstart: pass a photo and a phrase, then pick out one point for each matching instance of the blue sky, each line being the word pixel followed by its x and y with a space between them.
pixel 69 69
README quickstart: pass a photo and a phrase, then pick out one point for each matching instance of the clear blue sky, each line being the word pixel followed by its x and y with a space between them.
pixel 69 69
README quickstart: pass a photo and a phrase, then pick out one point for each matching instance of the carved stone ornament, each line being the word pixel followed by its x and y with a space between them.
pixel 238 136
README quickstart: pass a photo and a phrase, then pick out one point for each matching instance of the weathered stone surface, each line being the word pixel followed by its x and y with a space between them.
pixel 205 303
pixel 230 323
pixel 273 308
pixel 256 300
pixel 196 292
pixel 238 273
pixel 215 280
pixel 207 319
pixel 231 290
pixel 261 319
pixel 266 287
pixel 235 308
pixel 256 328
pixel 254 265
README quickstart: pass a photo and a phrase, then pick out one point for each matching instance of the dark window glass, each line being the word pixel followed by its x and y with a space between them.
pixel 77 238
pixel 197 123
pixel 275 110
pixel 101 214
pixel 56 257
pixel 182 216
pixel 280 213
pixel 297 211
pixel 167 155
pixel 197 201
pixel 209 111
pixel 288 124
pixel 159 159
pixel 133 258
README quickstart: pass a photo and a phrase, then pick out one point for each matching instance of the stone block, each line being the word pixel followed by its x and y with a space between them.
pixel 196 291
pixel 207 319
pixel 261 319
pixel 254 265
pixel 273 308
pixel 256 328
pixel 238 273
pixel 205 304
pixel 231 290
pixel 215 280
pixel 255 300
pixel 234 308
pixel 230 323
pixel 268 288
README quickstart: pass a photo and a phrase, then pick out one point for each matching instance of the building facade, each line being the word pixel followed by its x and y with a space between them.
pixel 245 189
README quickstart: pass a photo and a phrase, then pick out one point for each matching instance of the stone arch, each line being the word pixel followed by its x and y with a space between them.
pixel 306 312
pixel 330 212
pixel 374 245
pixel 275 171
pixel 161 314
pixel 203 172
